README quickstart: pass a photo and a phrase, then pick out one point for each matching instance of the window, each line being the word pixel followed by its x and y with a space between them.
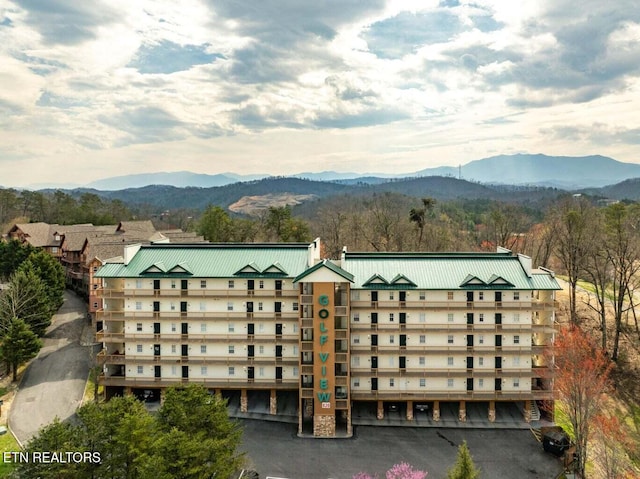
pixel 480 361
pixel 355 361
pixel 423 295
pixel 481 339
pixel 173 306
pixel 173 348
pixel 261 349
pixel 516 317
pixel 516 295
pixel 95 269
pixel 174 370
pixel 391 295
pixel 480 295
pixel 261 284
pixel 392 382
pixel 203 327
pixel 295 327
pixel 516 360
pixel 138 327
pixel 355 295
pixel 450 295
pixel 138 305
pixel 173 284
pixel 95 305
pixel 450 361
pixel 260 306
pixel 295 306
pixel 232 371
pixel 450 339
pixel 423 317
pixel 261 328
pixel 231 328
pixel 231 284
pixel 356 317
pixel 140 370
pixel 391 317
pixel 423 339
pixel 203 283
pixel 516 382
pixel 480 383
pixel 261 371
pixel 449 317
pixel 203 349
pixel 295 371
pixel 391 339
pixel 173 327
pixel 421 361
pixel 423 382
pixel 139 348
pixel 356 383
pixel 481 317
pixel 232 349
pixel 295 350
pixel 203 370
pixel 356 339
pixel 516 339
pixel 203 306
pixel 450 382
pixel 230 306
pixel 138 283
pixel 95 286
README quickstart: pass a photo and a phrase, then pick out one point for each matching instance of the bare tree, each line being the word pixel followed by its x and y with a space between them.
pixel 574 233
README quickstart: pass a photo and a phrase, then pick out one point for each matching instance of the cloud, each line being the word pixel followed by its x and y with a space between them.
pixel 64 22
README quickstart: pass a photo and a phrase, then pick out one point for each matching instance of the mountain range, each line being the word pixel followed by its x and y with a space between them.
pixel 564 172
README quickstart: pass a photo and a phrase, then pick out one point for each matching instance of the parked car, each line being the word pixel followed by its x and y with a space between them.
pixel 421 407
pixel 556 442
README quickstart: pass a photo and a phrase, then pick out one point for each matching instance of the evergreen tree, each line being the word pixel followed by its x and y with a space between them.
pixel 25 298
pixel 464 468
pixel 51 273
pixel 19 345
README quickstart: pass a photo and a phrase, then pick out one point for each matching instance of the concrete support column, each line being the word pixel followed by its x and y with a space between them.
pixel 244 402
pixel 127 391
pixel 162 394
pixel 492 411
pixel 273 403
pixel 436 411
pixel 409 410
pixel 527 411
pixel 462 414
pixel 380 412
pixel 349 426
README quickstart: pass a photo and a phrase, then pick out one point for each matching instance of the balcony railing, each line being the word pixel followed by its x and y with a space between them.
pixel 457 305
pixel 237 383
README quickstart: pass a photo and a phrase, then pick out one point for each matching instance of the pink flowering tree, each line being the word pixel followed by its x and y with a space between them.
pixel 398 471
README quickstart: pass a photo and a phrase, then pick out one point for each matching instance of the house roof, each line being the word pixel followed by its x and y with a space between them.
pixel 444 271
pixel 214 260
pixel 135 226
pixel 36 234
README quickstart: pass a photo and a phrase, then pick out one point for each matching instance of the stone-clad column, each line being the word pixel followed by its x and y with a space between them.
pixel 462 414
pixel 380 412
pixel 273 403
pixel 436 411
pixel 244 402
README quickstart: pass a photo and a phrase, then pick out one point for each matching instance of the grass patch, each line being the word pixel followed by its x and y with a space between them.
pixel 3 391
pixel 7 443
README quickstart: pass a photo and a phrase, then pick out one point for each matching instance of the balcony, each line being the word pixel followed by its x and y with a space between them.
pixel 211 383
pixel 459 305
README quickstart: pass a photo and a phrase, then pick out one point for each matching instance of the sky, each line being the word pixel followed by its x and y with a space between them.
pixel 91 90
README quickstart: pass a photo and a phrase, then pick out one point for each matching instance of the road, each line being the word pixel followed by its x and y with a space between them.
pixel 53 384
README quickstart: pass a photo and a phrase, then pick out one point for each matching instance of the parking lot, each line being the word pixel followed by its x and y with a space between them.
pixel 274 450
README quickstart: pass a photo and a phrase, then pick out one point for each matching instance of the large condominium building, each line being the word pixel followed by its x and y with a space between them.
pixel 367 331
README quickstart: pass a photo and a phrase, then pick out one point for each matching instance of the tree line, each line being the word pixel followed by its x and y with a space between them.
pixel 60 207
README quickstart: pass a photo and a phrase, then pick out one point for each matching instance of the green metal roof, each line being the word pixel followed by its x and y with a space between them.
pixel 444 271
pixel 216 260
pixel 325 263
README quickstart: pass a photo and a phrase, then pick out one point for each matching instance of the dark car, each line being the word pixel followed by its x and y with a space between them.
pixel 556 442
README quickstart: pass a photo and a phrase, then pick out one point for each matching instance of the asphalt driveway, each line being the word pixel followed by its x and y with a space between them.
pixel 53 384
pixel 274 450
